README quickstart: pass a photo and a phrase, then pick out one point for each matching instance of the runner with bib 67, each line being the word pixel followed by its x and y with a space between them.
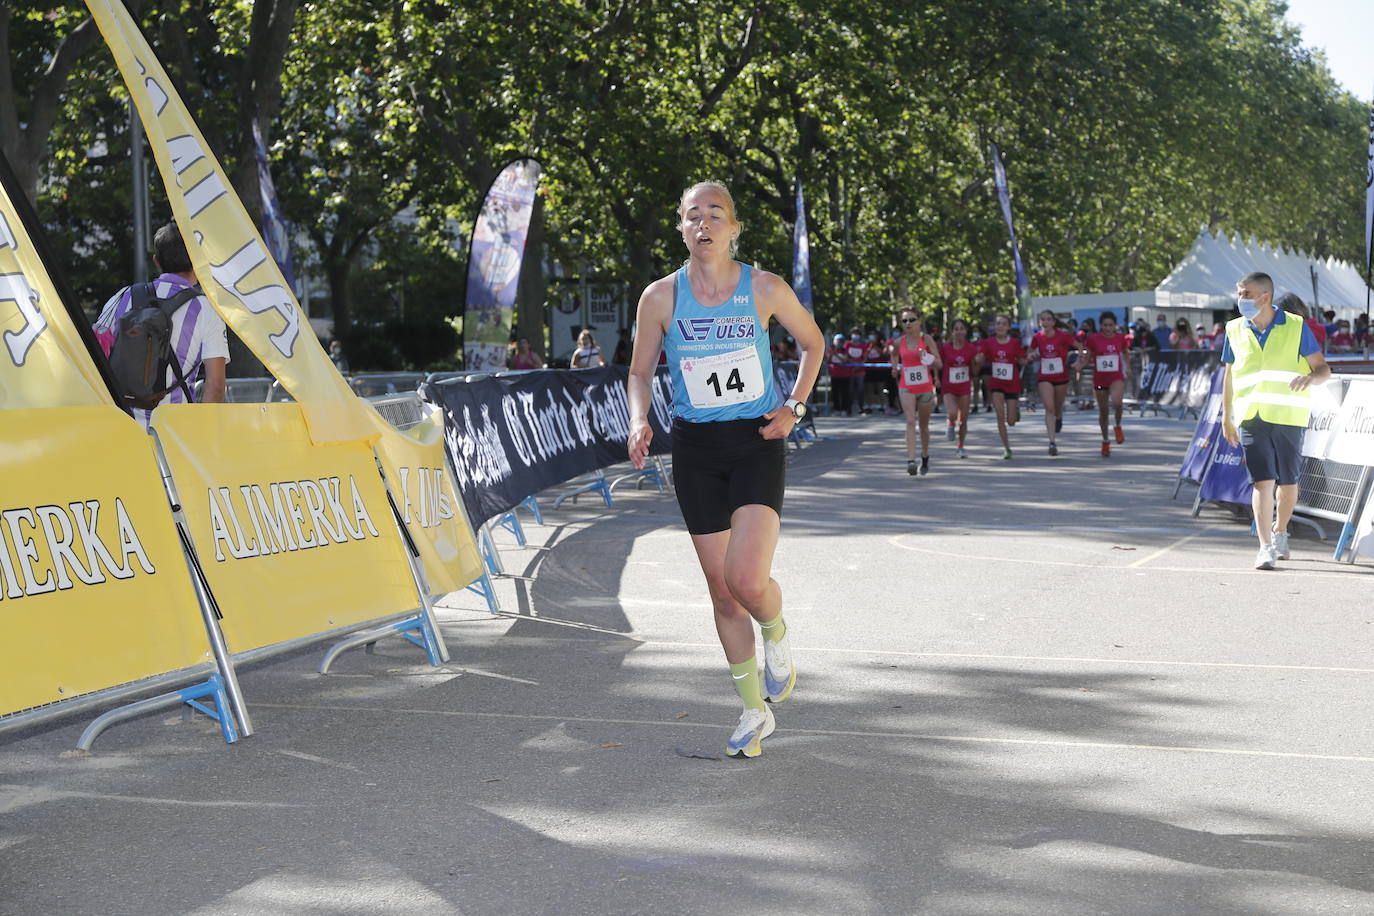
pixel 729 434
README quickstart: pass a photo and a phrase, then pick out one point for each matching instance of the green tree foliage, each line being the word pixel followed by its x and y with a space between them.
pixel 1126 125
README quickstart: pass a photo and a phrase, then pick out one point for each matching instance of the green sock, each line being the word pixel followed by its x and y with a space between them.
pixel 774 629
pixel 746 675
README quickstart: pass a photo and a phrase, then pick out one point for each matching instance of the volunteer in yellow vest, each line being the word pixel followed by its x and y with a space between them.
pixel 1271 360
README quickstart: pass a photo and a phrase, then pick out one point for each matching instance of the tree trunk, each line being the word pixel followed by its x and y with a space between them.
pixel 338 273
pixel 534 283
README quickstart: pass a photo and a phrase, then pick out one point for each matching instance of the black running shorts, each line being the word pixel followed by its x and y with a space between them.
pixel 720 466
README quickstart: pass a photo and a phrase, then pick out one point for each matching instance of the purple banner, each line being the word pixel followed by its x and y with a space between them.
pixel 274 229
pixel 1227 479
pixel 801 254
pixel 494 258
pixel 999 174
pixel 1208 431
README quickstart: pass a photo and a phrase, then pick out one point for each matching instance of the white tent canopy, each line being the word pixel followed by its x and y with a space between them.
pixel 1205 281
pixel 1215 263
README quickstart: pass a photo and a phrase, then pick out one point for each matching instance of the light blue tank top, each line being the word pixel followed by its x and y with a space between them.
pixel 719 358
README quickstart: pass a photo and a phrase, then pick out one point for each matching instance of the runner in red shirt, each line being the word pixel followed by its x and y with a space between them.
pixel 915 361
pixel 1107 350
pixel 1051 347
pixel 1005 355
pixel 957 380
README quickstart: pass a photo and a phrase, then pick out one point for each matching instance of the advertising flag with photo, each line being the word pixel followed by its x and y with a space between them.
pixel 494 259
pixel 231 261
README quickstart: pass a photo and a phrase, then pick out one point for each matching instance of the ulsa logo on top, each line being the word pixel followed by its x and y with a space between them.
pixel 694 329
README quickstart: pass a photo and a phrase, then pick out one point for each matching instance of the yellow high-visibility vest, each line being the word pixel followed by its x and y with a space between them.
pixel 1260 375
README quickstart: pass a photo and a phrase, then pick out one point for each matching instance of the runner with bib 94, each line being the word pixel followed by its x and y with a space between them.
pixel 729 434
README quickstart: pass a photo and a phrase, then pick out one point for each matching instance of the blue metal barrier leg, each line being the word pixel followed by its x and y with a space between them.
pixel 483 586
pixel 189 696
pixel 532 504
pixel 511 522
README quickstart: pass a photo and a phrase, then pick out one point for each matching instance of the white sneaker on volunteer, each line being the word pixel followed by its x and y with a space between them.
pixel 1267 557
pixel 1281 549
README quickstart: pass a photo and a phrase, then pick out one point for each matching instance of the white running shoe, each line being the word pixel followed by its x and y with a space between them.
pixel 1281 549
pixel 1267 557
pixel 779 675
pixel 754 726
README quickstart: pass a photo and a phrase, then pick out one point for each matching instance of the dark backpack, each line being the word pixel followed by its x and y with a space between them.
pixel 142 349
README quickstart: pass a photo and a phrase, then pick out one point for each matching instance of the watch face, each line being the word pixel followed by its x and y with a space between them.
pixel 799 410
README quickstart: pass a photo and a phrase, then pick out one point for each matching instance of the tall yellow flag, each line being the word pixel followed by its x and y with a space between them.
pixel 43 362
pixel 238 275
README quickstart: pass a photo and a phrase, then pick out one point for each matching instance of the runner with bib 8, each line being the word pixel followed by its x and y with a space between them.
pixel 729 431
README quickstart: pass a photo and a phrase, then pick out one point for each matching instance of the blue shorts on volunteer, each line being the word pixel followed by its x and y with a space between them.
pixel 1273 451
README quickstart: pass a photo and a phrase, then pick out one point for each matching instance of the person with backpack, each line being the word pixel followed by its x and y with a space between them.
pixel 159 335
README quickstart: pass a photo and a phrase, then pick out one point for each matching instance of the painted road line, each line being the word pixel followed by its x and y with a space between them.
pixel 1163 550
pixel 829 732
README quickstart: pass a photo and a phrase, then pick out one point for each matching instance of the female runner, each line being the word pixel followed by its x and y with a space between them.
pixel 729 429
pixel 1052 345
pixel 958 356
pixel 1005 356
pixel 1107 350
pixel 915 361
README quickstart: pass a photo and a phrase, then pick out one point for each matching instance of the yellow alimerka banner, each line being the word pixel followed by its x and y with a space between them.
pixel 43 362
pixel 423 489
pixel 295 538
pixel 248 289
pixel 94 589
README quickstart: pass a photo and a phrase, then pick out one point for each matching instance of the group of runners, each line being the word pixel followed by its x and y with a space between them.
pixel 924 368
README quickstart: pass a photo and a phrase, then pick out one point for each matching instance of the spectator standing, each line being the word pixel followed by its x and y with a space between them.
pixel 199 339
pixel 1182 337
pixel 588 354
pixel 839 375
pixel 524 358
pixel 1162 332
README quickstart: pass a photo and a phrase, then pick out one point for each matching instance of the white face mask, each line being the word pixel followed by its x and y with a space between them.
pixel 1249 308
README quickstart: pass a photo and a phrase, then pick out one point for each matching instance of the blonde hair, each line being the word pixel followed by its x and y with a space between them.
pixel 713 185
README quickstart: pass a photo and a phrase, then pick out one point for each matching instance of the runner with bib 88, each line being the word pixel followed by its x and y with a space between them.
pixel 729 435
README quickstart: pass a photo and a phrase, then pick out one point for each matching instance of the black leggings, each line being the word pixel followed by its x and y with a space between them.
pixel 720 466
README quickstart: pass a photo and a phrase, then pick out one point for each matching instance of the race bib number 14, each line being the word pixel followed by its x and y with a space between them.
pixel 719 381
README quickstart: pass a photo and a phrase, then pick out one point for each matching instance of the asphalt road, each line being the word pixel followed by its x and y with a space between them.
pixel 1029 686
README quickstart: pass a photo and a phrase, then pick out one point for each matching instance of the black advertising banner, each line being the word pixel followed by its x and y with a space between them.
pixel 511 436
pixel 1178 378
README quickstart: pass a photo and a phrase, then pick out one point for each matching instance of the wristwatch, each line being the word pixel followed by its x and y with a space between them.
pixel 797 407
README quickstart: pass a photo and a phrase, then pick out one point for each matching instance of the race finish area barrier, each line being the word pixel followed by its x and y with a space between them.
pixel 1337 456
pixel 96 599
pixel 417 463
pixel 513 435
pixel 299 542
pixel 1179 379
